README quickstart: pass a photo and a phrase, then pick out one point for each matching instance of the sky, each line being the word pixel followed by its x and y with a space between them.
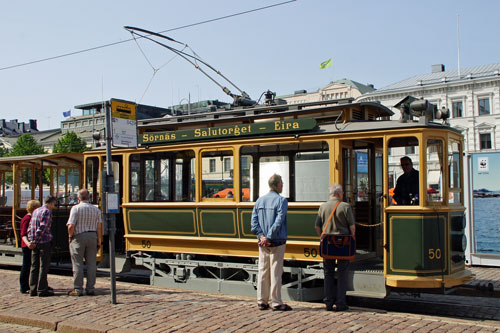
pixel 279 48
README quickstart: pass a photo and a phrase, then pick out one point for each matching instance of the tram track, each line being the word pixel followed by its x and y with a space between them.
pixel 470 307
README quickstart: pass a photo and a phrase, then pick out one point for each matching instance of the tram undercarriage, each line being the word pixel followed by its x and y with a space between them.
pixel 303 282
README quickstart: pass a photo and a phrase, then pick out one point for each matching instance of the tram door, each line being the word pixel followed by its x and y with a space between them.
pixel 94 168
pixel 362 180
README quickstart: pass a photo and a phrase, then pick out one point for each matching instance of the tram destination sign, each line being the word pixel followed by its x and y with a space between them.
pixel 272 127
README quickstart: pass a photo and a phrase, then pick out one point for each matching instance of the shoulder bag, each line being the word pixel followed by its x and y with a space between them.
pixel 341 247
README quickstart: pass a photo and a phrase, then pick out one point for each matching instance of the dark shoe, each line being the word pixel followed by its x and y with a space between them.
pixel 282 307
pixel 27 291
pixel 263 306
pixel 46 294
pixel 329 308
pixel 339 308
pixel 90 293
pixel 33 293
pixel 74 292
pixel 50 288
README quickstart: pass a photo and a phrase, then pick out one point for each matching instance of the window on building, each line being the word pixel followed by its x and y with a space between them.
pixel 485 140
pixel 227 164
pixel 212 165
pixel 409 150
pixel 457 109
pixel 484 106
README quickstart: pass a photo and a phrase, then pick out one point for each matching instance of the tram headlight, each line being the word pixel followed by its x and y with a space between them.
pixel 459 243
pixel 458 222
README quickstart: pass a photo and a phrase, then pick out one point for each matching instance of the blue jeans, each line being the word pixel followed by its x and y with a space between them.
pixel 335 289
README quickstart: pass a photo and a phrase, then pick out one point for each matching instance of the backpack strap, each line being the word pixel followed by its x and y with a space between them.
pixel 330 218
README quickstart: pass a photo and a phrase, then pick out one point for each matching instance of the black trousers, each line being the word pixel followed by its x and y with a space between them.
pixel 24 277
pixel 40 262
pixel 335 289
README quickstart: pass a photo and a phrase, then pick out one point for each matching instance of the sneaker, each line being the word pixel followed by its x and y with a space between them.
pixel 74 292
pixel 46 294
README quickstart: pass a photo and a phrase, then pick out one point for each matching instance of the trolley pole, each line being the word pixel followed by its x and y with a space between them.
pixel 110 218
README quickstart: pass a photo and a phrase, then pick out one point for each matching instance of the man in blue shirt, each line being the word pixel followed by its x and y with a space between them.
pixel 270 225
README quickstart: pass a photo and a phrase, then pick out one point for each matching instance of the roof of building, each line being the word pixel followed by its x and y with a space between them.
pixel 363 88
pixel 450 76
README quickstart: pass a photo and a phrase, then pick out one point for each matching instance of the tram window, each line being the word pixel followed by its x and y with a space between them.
pixel 135 168
pixel 92 178
pixel 304 168
pixel 73 186
pixel 434 170
pixel 268 166
pixel 217 174
pixel 247 190
pixel 311 175
pixel 163 176
pixel 156 179
pixel 454 164
pixel 403 171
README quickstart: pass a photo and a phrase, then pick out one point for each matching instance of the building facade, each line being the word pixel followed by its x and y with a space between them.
pixel 340 89
pixel 472 97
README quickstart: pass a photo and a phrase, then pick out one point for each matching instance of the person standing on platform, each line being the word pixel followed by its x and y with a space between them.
pixel 24 277
pixel 270 225
pixel 84 231
pixel 342 223
pixel 40 237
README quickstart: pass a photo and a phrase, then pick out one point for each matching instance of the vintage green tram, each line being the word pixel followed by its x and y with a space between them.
pixel 172 223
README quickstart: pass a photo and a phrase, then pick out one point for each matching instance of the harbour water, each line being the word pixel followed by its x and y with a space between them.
pixel 487 224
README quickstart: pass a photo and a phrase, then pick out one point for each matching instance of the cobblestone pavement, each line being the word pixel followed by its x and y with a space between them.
pixel 154 309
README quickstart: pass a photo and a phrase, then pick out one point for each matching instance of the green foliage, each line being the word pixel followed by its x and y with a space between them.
pixel 70 143
pixel 26 145
pixel 3 151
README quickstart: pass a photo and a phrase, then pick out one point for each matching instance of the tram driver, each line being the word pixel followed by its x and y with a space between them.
pixel 406 191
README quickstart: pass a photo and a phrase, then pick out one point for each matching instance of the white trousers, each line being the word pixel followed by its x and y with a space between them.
pixel 270 271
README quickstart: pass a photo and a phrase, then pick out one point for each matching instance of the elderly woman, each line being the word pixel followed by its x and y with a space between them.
pixel 26 246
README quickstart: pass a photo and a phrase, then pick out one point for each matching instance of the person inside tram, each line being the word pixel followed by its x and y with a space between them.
pixel 406 191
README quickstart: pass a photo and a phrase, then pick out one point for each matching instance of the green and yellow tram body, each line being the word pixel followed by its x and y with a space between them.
pixel 176 224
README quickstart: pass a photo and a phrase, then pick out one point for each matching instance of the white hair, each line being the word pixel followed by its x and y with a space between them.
pixel 335 190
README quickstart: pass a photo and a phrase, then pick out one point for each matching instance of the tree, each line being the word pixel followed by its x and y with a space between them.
pixel 26 145
pixel 70 143
pixel 3 151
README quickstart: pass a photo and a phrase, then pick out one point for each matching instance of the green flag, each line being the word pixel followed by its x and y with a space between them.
pixel 325 64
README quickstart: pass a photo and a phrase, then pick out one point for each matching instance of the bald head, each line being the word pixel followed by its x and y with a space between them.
pixel 84 195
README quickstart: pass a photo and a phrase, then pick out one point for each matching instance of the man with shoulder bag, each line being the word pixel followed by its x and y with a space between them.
pixel 335 217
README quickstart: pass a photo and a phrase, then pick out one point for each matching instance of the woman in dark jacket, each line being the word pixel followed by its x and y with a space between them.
pixel 26 246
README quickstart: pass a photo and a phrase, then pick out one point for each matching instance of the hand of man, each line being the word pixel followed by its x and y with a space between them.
pixel 263 241
pixel 31 245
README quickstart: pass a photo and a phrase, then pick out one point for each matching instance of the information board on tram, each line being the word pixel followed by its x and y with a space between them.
pixel 276 127
pixel 124 123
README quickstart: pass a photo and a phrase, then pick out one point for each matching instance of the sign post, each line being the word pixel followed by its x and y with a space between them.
pixel 121 131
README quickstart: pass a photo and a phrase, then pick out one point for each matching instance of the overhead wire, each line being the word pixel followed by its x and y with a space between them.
pixel 130 39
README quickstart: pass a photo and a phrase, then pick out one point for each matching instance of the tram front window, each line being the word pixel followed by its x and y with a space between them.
pixel 434 170
pixel 403 171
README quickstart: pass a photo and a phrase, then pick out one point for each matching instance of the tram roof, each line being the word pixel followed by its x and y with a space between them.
pixel 249 114
pixel 55 160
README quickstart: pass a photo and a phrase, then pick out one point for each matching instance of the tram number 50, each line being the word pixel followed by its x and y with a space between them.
pixel 146 244
pixel 310 252
pixel 434 254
